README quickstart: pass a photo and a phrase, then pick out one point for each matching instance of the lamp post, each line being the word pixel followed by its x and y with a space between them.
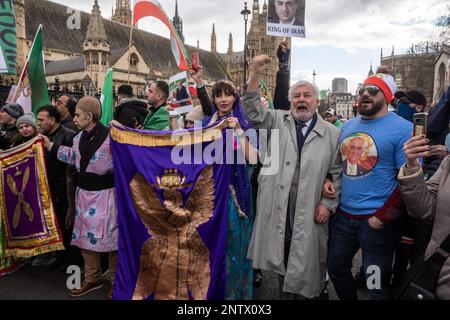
pixel 245 13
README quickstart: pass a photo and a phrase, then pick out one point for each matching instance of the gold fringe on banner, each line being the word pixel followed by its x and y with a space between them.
pixel 122 134
pixel 32 252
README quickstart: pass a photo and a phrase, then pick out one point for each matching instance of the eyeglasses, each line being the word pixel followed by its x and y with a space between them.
pixel 372 90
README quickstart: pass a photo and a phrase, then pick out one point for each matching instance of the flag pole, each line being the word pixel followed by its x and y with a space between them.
pixel 129 46
pixel 25 67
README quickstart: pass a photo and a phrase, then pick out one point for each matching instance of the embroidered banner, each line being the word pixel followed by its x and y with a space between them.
pixel 30 226
pixel 172 215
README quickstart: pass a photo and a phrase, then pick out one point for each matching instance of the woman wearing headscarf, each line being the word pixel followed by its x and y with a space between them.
pixel 227 107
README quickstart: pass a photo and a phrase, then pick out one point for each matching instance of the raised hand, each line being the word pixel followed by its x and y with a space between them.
pixel 260 63
pixel 197 76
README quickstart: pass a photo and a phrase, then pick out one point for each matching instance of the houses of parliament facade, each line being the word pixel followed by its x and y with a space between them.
pixel 79 58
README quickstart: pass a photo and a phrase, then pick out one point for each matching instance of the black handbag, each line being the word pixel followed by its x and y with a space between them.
pixel 421 279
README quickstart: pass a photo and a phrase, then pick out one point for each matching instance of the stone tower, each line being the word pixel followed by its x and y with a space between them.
pixel 265 8
pixel 259 43
pixel 123 12
pixel 255 8
pixel 230 49
pixel 22 48
pixel 96 48
pixel 178 23
pixel 213 40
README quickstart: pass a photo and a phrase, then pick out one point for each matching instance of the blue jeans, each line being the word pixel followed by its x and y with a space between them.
pixel 377 246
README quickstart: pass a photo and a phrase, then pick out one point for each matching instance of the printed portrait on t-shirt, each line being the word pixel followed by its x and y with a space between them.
pixel 359 155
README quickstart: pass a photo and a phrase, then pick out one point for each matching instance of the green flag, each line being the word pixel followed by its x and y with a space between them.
pixel 36 74
pixel 107 99
pixel 8 38
pixel 31 92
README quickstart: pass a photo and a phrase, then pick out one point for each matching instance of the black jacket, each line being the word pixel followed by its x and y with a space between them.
pixel 8 136
pixel 131 113
pixel 205 101
pixel 57 170
pixel 69 124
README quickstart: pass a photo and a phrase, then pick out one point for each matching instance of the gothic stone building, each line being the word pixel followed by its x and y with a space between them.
pixel 80 57
pixel 440 83
pixel 257 43
pixel 412 72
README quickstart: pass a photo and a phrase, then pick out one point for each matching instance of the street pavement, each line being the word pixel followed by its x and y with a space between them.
pixel 34 283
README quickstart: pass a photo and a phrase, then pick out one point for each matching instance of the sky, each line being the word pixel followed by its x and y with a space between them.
pixel 343 37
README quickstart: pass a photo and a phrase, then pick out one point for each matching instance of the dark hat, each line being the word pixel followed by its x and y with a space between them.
pixel 415 96
pixel 125 90
pixel 13 109
pixel 399 95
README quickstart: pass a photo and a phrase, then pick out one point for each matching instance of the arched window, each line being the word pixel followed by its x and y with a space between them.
pixel 134 60
pixel 95 58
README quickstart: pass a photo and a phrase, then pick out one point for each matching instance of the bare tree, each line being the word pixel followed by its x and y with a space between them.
pixel 444 27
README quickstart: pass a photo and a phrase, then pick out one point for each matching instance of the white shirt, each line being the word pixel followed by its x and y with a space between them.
pixel 306 127
pixel 289 23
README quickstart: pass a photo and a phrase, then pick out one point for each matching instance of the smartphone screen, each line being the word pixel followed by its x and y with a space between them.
pixel 195 61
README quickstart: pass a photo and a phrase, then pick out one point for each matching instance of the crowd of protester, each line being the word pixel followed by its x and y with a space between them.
pixel 367 184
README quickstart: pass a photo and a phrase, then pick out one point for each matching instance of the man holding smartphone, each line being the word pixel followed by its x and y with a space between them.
pixel 370 196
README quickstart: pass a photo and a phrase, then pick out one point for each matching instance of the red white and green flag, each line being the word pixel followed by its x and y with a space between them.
pixel 152 8
pixel 32 92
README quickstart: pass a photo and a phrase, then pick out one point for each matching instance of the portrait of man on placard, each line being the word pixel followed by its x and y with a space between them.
pixel 286 18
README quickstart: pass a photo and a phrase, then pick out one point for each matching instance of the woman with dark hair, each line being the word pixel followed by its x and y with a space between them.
pixel 227 107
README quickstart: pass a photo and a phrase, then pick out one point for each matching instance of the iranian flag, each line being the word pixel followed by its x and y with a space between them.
pixel 32 92
pixel 152 8
pixel 107 99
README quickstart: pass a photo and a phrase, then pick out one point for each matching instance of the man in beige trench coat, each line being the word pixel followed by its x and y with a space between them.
pixel 290 236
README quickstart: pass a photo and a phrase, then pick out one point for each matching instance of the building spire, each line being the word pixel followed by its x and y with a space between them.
pixel 230 44
pixel 255 7
pixel 371 73
pixel 214 40
pixel 123 12
pixel 96 29
pixel 177 22
pixel 265 7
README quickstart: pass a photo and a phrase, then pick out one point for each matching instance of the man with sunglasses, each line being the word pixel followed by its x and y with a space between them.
pixel 369 197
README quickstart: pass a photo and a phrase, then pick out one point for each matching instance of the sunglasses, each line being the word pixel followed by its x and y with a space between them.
pixel 372 90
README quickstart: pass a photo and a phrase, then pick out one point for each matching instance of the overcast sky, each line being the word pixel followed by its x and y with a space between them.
pixel 342 36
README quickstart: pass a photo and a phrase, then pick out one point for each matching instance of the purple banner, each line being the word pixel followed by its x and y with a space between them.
pixel 172 221
pixel 22 201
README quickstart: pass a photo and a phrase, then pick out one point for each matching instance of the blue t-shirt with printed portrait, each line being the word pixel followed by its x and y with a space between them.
pixel 372 153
